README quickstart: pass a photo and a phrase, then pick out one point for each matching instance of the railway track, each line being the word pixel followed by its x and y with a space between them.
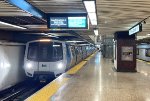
pixel 21 92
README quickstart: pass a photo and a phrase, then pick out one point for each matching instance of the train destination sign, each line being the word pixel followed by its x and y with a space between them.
pixel 67 22
pixel 77 22
pixel 58 22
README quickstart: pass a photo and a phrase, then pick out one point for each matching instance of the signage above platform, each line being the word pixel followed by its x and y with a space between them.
pixel 77 22
pixel 58 22
pixel 135 29
pixel 65 21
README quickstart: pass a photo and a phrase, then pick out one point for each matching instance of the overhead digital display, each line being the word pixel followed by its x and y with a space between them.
pixel 67 21
pixel 58 22
pixel 136 29
pixel 77 22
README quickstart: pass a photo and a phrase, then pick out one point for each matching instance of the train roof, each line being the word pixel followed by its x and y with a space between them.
pixel 46 40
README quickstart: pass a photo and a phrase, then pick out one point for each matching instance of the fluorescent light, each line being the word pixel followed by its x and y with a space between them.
pixel 100 37
pixel 47 34
pixel 91 9
pixel 45 40
pixel 93 18
pixel 90 6
pixel 8 24
pixel 96 32
pixel 74 41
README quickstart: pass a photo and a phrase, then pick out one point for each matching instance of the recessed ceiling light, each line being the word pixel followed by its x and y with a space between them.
pixel 96 32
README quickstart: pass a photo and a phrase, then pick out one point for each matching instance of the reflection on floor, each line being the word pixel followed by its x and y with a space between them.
pixel 98 82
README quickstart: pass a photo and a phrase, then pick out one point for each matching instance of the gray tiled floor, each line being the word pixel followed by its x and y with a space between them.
pixel 98 82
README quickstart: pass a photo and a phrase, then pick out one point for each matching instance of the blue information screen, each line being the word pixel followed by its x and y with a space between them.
pixel 58 22
pixel 77 22
pixel 67 22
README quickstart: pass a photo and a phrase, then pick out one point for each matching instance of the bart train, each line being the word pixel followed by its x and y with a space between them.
pixel 52 57
pixel 143 52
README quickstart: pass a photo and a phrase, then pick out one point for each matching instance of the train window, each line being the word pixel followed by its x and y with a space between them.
pixel 147 52
pixel 33 51
pixel 137 51
pixel 80 50
pixel 50 51
pixel 73 50
pixel 46 52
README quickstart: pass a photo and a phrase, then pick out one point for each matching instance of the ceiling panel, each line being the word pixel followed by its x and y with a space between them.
pixel 120 15
pixel 9 10
pixel 59 6
pixel 23 20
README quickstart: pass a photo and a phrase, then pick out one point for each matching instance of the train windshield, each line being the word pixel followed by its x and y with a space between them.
pixel 45 51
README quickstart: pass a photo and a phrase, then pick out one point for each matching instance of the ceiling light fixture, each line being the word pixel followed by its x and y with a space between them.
pixel 91 10
pixel 75 41
pixel 93 18
pixel 96 32
pixel 49 35
pixel 90 6
pixel 8 24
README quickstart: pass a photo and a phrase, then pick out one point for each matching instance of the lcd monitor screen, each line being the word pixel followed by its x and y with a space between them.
pixel 58 22
pixel 77 22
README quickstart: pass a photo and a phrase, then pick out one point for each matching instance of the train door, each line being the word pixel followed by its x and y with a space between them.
pixel 83 52
pixel 80 53
pixel 77 55
pixel 72 48
pixel 68 56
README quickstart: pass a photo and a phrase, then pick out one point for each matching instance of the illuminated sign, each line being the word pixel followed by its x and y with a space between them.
pixel 58 22
pixel 136 29
pixel 77 22
pixel 67 21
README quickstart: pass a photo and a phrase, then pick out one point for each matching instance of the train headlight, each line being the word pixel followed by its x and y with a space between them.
pixel 60 65
pixel 29 65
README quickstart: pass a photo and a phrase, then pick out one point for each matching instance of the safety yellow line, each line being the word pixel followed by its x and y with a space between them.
pixel 140 60
pixel 76 68
pixel 89 57
pixel 49 90
pixel 80 65
pixel 46 92
pixel 143 61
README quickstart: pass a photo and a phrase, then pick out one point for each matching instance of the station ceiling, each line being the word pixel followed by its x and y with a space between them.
pixel 113 15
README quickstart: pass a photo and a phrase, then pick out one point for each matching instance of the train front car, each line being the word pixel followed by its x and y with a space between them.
pixel 44 58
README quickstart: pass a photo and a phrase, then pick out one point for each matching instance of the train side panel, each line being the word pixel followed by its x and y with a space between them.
pixel 11 62
pixel 142 51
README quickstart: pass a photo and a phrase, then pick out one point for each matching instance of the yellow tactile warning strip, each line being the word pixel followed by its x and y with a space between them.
pixel 89 57
pixel 49 90
pixel 76 68
pixel 80 65
pixel 143 61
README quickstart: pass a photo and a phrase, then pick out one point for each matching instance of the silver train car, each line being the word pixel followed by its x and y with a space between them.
pixel 46 57
pixel 143 52
pixel 11 64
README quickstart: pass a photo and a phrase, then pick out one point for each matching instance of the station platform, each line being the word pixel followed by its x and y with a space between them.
pixel 94 80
